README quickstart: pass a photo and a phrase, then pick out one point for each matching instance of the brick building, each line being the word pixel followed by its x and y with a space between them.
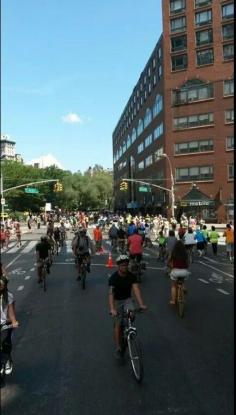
pixel 196 114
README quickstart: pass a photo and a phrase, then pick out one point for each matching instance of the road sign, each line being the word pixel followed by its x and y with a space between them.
pixel 144 189
pixel 2 201
pixel 31 190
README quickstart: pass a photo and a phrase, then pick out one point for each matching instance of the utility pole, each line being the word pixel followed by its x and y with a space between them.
pixel 2 199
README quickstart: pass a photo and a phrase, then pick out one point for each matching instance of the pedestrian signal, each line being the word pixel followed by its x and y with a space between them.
pixel 123 186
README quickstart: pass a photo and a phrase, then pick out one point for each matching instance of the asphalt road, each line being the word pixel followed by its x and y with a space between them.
pixel 63 349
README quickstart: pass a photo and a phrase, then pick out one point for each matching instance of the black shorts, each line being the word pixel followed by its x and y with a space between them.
pixel 79 258
pixel 138 256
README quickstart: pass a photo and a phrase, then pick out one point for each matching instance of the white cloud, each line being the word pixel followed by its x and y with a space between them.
pixel 72 118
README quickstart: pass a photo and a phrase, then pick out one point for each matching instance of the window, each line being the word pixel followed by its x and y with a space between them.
pixel 158 131
pixel 228 31
pixel 159 71
pixel 192 93
pixel 124 147
pixel 148 161
pixel 193 121
pixel 141 165
pixel 229 143
pixel 145 94
pixel 148 140
pixel 204 37
pixel 154 63
pixel 229 87
pixel 128 142
pixel 203 18
pixel 149 88
pixel 194 173
pixel 228 51
pixel 159 53
pixel 154 80
pixel 230 171
pixel 148 117
pixel 179 62
pixel 158 106
pixel 228 11
pixel 205 57
pixel 134 135
pixel 140 127
pixel 140 148
pixel 178 43
pixel 178 25
pixel 202 3
pixel 149 72
pixel 177 6
pixel 194 146
pixel 229 116
pixel 158 153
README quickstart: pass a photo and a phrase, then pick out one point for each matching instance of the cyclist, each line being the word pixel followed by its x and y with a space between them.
pixel 50 227
pixel 43 252
pixel 135 246
pixel 57 235
pixel 7 316
pixel 97 235
pixel 62 232
pixel 162 246
pixel 113 231
pixel 122 283
pixel 189 241
pixel 121 234
pixel 178 263
pixel 81 247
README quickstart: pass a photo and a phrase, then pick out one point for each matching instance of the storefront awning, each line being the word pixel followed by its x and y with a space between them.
pixel 196 198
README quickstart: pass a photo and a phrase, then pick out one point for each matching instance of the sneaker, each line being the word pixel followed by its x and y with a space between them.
pixel 8 367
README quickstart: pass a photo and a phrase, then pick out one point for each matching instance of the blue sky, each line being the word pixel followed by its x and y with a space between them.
pixel 68 70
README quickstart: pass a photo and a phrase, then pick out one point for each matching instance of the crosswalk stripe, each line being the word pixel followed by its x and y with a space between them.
pixel 28 248
pixel 16 248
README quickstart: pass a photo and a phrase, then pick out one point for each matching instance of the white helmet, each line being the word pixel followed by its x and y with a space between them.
pixel 122 258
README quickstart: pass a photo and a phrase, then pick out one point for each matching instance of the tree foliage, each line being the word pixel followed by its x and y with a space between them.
pixel 80 191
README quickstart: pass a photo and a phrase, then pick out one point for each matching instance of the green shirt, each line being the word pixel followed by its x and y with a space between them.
pixel 214 237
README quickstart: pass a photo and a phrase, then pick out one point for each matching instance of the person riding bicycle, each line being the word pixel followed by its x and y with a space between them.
pixel 113 231
pixel 81 246
pixel 121 235
pixel 57 234
pixel 50 227
pixel 8 316
pixel 135 246
pixel 178 263
pixel 43 252
pixel 161 239
pixel 63 231
pixel 122 283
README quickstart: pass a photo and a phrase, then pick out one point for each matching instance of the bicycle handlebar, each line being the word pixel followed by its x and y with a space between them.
pixel 8 326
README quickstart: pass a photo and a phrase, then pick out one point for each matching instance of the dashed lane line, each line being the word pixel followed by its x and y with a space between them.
pixel 12 262
pixel 27 277
pixel 205 282
pixel 20 288
pixel 216 269
pixel 223 291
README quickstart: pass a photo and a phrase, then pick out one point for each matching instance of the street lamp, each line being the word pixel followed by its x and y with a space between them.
pixel 172 185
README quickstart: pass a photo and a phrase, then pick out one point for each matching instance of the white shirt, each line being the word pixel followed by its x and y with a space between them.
pixel 4 309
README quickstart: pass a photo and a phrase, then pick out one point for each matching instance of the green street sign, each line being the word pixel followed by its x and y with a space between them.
pixel 144 189
pixel 31 190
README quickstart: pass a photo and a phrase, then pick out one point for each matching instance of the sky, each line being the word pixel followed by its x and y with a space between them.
pixel 68 69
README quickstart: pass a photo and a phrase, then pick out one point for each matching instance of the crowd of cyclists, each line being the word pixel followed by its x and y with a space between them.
pixel 173 243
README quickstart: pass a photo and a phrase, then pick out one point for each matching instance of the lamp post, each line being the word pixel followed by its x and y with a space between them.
pixel 172 185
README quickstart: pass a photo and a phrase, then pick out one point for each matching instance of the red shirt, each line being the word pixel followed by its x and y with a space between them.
pixel 135 243
pixel 180 263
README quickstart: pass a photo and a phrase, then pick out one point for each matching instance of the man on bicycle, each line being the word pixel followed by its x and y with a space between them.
pixel 43 252
pixel 121 235
pixel 121 285
pixel 135 246
pixel 81 247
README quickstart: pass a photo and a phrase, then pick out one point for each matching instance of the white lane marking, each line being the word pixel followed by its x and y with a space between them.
pixel 211 260
pixel 205 282
pixel 32 269
pixel 27 277
pixel 20 288
pixel 28 248
pixel 16 248
pixel 68 246
pixel 223 291
pixel 216 278
pixel 216 269
pixel 12 262
pixel 18 271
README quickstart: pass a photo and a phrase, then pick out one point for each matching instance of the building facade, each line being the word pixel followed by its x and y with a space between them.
pixel 183 133
pixel 8 150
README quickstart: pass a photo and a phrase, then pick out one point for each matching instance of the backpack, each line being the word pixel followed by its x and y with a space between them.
pixel 113 232
pixel 82 245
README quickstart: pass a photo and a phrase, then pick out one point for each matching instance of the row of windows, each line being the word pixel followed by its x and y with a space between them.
pixel 196 90
pixel 203 57
pixel 200 120
pixel 201 18
pixel 200 146
pixel 179 6
pixel 202 38
pixel 198 173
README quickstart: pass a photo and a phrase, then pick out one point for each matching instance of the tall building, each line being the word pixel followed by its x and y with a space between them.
pixel 197 90
pixel 8 151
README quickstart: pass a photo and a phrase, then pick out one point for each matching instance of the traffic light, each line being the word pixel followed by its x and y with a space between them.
pixel 57 187
pixel 123 186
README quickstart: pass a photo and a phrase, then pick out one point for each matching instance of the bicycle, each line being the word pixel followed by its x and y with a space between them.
pixel 180 297
pixel 6 358
pixel 190 249
pixel 136 267
pixel 130 340
pixel 82 271
pixel 44 274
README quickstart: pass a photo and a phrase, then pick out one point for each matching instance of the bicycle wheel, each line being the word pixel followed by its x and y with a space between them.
pixel 135 355
pixel 180 300
pixel 44 273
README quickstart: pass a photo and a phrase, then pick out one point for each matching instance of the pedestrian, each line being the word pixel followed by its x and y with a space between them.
pixel 97 235
pixel 2 237
pixel 229 235
pixel 18 235
pixel 206 236
pixel 7 236
pixel 214 236
pixel 200 241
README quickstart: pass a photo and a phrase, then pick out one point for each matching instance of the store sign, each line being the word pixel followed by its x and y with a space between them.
pixel 197 203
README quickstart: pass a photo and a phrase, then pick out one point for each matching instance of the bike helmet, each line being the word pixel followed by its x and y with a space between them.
pixel 43 238
pixel 122 259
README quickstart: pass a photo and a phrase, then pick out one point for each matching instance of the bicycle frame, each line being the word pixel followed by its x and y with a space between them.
pixel 180 296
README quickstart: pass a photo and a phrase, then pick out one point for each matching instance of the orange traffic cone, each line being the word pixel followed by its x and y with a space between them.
pixel 109 262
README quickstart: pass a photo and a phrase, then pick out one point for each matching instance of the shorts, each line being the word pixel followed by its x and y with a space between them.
pixel 200 245
pixel 127 304
pixel 179 273
pixel 79 258
pixel 230 247
pixel 138 256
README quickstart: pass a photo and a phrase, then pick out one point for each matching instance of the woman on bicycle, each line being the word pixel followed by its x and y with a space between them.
pixel 178 263
pixel 7 316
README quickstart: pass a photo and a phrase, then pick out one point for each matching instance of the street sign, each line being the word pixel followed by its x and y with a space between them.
pixel 31 190
pixel 2 201
pixel 144 189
